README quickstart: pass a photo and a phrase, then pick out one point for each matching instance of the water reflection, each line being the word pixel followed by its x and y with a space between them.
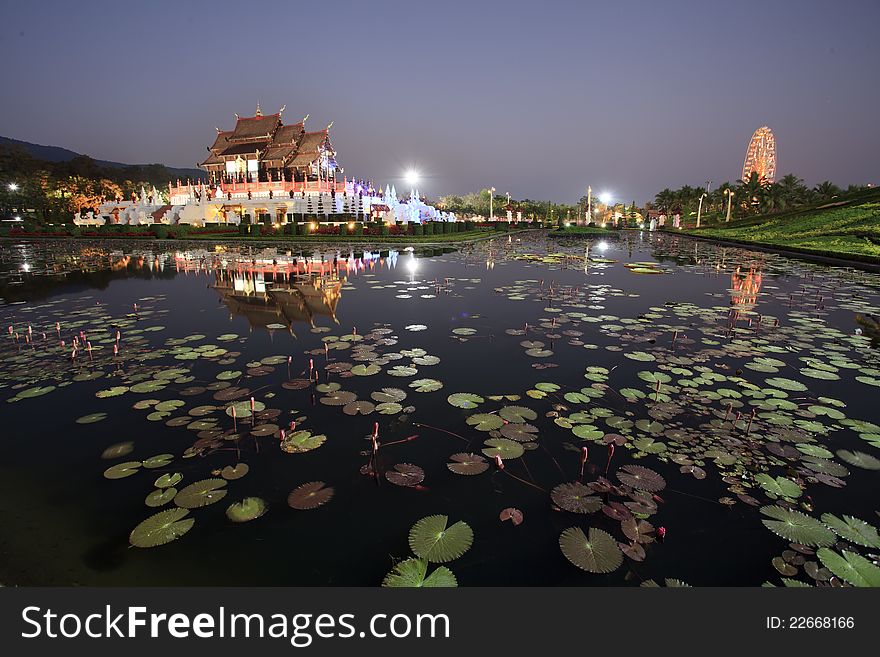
pixel 278 300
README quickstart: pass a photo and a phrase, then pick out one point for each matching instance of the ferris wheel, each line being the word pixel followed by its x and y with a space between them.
pixel 761 155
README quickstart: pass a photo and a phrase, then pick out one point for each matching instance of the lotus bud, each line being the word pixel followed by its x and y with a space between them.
pixel 498 462
pixel 661 533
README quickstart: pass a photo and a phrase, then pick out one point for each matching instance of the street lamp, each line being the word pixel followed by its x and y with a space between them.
pixel 491 210
pixel 729 193
pixel 700 208
pixel 411 177
pixel 13 187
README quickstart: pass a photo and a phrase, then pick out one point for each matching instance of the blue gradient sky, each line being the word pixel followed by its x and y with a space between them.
pixel 535 98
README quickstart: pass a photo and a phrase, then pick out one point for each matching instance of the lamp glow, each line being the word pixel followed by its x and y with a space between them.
pixel 605 198
pixel 411 177
pixel 13 187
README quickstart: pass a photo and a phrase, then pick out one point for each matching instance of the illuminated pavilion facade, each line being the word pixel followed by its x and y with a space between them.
pixel 267 171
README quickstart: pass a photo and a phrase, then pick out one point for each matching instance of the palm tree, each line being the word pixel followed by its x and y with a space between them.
pixel 826 190
pixel 664 200
pixel 751 189
pixel 793 190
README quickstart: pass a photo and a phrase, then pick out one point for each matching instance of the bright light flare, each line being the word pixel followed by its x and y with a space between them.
pixel 605 198
pixel 411 177
pixel 13 187
pixel 412 264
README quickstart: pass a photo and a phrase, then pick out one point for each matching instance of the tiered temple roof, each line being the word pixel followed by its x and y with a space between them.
pixel 266 139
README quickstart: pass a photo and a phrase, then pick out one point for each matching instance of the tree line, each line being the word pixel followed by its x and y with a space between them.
pixel 54 191
pixel 753 195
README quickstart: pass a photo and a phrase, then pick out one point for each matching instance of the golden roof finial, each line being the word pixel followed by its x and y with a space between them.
pixel 259 111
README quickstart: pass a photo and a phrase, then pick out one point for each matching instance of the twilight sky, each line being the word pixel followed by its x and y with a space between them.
pixel 536 98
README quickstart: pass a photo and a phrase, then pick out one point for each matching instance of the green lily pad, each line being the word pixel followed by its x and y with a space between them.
pixel 201 493
pixel 431 539
pixel 425 385
pixel 853 530
pixel 168 480
pixel 301 441
pixel 850 567
pixel 161 528
pixel 797 527
pixel 485 421
pixel 503 447
pixel 412 572
pixel 597 552
pixel 122 470
pixel 465 400
pixel 250 508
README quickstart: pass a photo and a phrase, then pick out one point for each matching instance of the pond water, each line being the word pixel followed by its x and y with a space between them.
pixel 641 410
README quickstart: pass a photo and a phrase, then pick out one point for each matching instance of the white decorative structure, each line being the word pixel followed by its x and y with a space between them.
pixel 271 172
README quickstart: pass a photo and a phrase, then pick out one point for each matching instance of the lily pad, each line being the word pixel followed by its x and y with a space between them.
pixel 310 495
pixel 597 552
pixel 250 508
pixel 465 400
pixel 467 464
pixel 432 539
pixel 411 573
pixel 161 528
pixel 576 498
pixel 201 493
pixel 797 527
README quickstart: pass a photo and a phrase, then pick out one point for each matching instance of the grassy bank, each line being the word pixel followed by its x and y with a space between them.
pixel 847 229
pixel 583 231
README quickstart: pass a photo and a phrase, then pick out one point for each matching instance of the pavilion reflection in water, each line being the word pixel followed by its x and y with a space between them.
pixel 279 299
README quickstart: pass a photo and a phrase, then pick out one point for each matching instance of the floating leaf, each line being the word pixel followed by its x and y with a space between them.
pixel 391 394
pixel 237 471
pixel 641 478
pixel 201 493
pixel 430 538
pixel 160 497
pixel 465 400
pixel 850 567
pixel 514 515
pixel 250 508
pixel 853 530
pixel 598 553
pixel 426 385
pixel 859 459
pixel 778 487
pixel 301 441
pixel 506 449
pixel 575 497
pixel 796 526
pixel 310 495
pixel 366 370
pixel 485 421
pixel 517 414
pixel 411 574
pixel 467 464
pixel 405 474
pixel 168 480
pixel 122 470
pixel 161 528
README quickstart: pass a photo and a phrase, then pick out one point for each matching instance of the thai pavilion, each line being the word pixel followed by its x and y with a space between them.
pixel 271 172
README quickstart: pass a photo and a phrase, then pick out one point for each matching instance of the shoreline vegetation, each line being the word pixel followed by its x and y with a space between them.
pixel 846 229
pixel 399 234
